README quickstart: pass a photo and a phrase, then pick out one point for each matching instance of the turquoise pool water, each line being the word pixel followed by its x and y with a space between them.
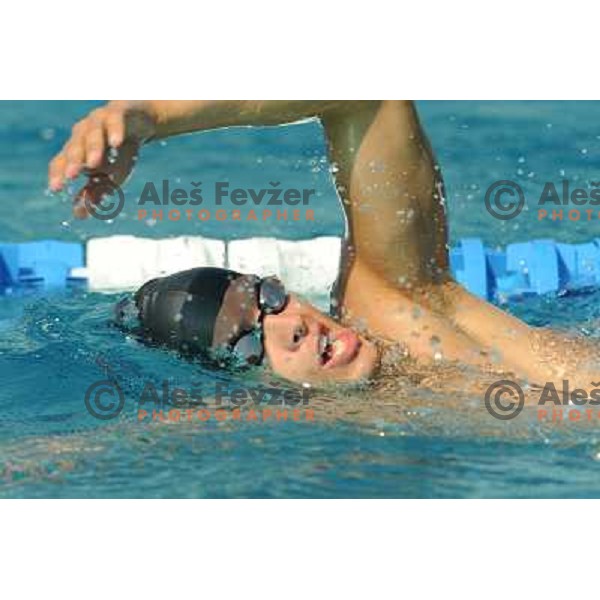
pixel 53 348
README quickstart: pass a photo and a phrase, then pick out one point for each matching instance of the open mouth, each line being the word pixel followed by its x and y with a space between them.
pixel 337 349
pixel 325 349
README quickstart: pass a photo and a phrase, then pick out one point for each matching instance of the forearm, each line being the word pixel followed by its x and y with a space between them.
pixel 173 117
pixel 127 124
pixel 538 354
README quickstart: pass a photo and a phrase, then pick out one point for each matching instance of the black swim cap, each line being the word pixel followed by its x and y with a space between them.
pixel 181 310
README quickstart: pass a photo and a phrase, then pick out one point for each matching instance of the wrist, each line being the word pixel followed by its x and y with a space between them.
pixel 140 119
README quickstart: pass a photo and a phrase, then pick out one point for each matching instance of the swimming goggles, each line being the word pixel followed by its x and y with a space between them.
pixel 272 299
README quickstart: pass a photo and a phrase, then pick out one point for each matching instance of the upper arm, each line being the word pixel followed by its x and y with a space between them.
pixel 391 193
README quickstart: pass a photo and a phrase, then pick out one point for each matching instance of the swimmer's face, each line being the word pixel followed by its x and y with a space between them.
pixel 304 345
pixel 300 343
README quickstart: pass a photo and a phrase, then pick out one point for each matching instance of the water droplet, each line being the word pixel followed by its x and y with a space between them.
pixel 113 154
pixel 47 134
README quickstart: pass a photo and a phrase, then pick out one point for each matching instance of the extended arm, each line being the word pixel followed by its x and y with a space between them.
pixel 183 116
pixel 127 125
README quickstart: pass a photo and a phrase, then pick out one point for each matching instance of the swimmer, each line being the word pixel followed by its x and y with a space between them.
pixel 394 287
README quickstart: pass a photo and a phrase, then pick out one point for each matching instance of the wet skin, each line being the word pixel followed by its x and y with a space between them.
pixel 394 278
pixel 303 344
pixel 300 342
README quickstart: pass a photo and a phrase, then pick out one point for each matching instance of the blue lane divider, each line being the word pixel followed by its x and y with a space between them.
pixel 526 268
pixel 39 265
pixel 523 269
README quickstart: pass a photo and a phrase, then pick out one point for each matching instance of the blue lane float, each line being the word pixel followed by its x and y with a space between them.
pixel 522 269
pixel 526 269
pixel 42 265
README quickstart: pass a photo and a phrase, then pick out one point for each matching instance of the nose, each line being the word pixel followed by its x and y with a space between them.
pixel 290 330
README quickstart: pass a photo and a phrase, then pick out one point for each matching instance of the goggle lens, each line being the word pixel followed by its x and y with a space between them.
pixel 272 299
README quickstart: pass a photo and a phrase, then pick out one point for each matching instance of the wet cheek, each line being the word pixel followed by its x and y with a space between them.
pixel 295 362
pixel 278 341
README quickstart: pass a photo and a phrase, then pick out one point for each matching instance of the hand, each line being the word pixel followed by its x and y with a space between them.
pixel 103 144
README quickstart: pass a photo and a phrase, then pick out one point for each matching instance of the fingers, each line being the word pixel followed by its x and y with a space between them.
pixel 115 129
pixel 94 145
pixel 56 172
pixel 87 147
pixel 75 154
pixel 67 164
